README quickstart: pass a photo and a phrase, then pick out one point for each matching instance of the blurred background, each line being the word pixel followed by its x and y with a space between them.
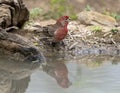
pixel 55 8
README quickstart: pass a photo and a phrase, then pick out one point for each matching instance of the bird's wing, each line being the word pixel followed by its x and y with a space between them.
pixel 49 30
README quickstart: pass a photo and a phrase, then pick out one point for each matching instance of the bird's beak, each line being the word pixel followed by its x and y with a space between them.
pixel 69 19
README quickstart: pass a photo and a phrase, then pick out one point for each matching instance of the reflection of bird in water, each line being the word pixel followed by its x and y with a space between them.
pixel 59 72
pixel 14 75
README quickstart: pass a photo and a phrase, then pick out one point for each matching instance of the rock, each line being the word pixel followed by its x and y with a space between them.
pixel 12 17
pixel 95 18
pixel 13 13
pixel 16 43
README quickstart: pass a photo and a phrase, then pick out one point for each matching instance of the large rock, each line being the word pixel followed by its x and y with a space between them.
pixel 13 14
pixel 95 18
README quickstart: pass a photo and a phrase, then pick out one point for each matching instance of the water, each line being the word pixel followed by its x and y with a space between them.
pixel 82 75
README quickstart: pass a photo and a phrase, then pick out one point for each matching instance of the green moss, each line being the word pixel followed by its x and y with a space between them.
pixel 35 12
pixel 88 8
pixel 114 15
pixel 114 30
pixel 74 17
pixel 96 28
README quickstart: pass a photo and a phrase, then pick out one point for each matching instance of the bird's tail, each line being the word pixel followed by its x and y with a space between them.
pixel 44 28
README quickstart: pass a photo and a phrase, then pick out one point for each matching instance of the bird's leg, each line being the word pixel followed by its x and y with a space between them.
pixel 54 44
pixel 57 44
pixel 62 44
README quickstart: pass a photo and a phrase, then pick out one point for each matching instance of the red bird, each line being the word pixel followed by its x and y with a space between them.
pixel 57 31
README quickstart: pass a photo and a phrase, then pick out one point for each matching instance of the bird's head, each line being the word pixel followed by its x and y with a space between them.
pixel 64 20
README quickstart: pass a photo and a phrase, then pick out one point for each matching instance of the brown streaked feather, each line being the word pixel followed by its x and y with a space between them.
pixel 49 30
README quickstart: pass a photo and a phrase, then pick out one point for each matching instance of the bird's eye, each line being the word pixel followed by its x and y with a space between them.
pixel 67 19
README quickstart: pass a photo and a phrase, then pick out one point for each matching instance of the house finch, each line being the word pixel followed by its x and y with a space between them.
pixel 57 31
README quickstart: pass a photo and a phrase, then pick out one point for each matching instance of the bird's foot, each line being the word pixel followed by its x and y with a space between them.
pixel 54 44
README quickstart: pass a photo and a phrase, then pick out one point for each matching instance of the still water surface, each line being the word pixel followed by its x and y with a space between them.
pixel 84 75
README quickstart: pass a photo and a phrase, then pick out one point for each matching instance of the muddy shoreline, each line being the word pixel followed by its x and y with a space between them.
pixel 99 36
